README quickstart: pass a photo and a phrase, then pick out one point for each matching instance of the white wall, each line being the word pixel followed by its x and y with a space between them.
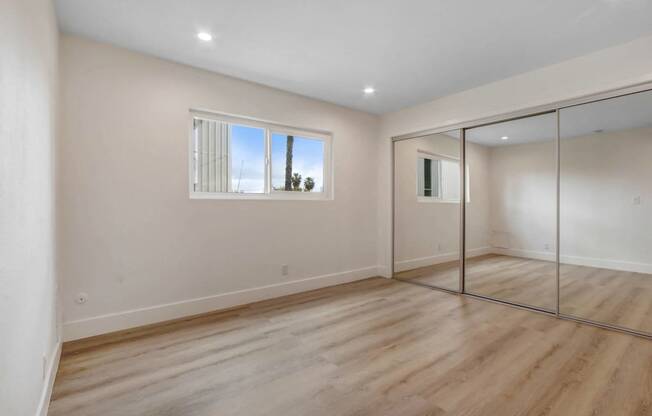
pixel 610 68
pixel 133 240
pixel 428 232
pixel 601 175
pixel 523 197
pixel 28 311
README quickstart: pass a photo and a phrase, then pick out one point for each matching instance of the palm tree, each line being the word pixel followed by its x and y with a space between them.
pixel 308 184
pixel 296 182
pixel 288 163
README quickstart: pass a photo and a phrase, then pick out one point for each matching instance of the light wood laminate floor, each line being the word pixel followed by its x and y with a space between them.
pixel 374 347
pixel 604 295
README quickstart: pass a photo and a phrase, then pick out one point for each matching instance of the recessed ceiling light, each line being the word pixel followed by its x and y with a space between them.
pixel 369 90
pixel 504 138
pixel 205 36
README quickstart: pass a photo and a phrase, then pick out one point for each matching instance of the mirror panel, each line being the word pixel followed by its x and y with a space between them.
pixel 606 211
pixel 511 211
pixel 427 190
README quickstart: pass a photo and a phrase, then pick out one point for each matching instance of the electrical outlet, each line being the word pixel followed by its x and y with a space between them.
pixel 284 269
pixel 81 298
pixel 546 247
pixel 637 200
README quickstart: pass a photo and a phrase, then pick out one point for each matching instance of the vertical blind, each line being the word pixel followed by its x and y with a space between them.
pixel 212 168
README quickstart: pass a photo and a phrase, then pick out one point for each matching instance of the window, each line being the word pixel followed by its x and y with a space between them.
pixel 242 158
pixel 438 178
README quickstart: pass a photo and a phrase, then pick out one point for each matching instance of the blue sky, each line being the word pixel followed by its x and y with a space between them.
pixel 248 155
pixel 247 159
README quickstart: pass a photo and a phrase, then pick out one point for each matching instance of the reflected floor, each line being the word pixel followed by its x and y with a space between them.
pixel 608 296
pixel 444 275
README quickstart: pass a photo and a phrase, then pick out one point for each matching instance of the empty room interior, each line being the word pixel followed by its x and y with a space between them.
pixel 298 207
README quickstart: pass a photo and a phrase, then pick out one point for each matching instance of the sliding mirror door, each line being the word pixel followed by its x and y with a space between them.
pixel 606 212
pixel 511 211
pixel 427 210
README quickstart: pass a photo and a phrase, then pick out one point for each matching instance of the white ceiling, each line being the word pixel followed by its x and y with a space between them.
pixel 411 51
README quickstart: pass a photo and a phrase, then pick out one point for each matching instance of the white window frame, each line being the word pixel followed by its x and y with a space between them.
pixel 421 154
pixel 269 129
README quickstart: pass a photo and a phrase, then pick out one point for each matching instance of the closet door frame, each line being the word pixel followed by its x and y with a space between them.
pixel 554 107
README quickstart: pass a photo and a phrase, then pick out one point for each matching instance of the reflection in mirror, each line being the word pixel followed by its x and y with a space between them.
pixel 511 216
pixel 606 211
pixel 427 210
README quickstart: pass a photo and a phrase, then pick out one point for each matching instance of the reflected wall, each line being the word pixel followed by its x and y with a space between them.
pixel 518 263
pixel 606 211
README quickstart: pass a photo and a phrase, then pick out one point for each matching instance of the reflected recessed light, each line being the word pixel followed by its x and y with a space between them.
pixel 369 90
pixel 205 36
pixel 504 138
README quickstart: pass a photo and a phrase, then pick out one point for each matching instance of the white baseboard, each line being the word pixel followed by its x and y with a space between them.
pixel 437 259
pixel 53 360
pixel 611 264
pixel 529 254
pixel 103 324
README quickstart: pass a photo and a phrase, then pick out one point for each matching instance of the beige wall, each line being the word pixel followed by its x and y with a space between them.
pixel 133 240
pixel 601 176
pixel 610 68
pixel 28 311
pixel 523 197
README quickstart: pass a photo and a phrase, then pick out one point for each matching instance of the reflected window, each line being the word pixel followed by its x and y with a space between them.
pixel 438 178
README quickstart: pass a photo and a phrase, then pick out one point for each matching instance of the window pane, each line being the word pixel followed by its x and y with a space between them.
pixel 297 163
pixel 247 159
pixel 228 158
pixel 427 176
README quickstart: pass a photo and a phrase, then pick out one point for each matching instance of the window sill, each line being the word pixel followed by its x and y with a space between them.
pixel 431 200
pixel 276 196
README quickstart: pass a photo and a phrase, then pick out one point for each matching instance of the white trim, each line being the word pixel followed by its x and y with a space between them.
pixel 625 266
pixel 46 393
pixel 435 200
pixel 274 196
pixel 437 259
pixel 112 322
pixel 221 115
pixel 438 155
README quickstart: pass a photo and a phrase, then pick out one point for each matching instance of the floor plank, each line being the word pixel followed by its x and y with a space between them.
pixel 374 347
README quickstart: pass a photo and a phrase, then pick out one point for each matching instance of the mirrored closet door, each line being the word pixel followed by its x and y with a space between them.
pixel 427 189
pixel 606 212
pixel 511 211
